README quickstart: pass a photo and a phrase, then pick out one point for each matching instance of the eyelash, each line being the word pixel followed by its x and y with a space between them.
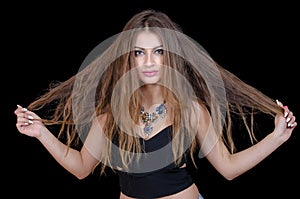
pixel 139 52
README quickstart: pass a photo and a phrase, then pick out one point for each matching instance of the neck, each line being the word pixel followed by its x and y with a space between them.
pixel 152 94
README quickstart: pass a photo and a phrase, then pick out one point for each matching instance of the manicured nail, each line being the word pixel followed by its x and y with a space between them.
pixel 277 102
pixel 30 121
pixel 286 114
pixel 24 109
pixel 30 117
pixel 288 119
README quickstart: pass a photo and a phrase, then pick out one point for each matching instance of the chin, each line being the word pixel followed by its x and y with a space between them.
pixel 147 81
pixel 150 82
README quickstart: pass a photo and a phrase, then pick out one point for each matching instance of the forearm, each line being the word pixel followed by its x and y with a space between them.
pixel 69 158
pixel 242 161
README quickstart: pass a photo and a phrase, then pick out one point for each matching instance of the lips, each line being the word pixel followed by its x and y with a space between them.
pixel 150 73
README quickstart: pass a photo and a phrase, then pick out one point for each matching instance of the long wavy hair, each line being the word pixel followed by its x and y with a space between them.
pixel 109 85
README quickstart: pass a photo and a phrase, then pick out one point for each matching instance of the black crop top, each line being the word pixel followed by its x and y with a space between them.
pixel 168 180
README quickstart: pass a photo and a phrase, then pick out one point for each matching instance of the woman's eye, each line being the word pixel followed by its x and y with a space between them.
pixel 138 52
pixel 159 51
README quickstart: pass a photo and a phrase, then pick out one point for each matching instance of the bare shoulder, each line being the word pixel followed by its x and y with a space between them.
pixel 102 119
pixel 99 121
pixel 200 109
pixel 200 115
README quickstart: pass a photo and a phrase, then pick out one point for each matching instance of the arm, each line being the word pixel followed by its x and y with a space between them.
pixel 79 163
pixel 233 165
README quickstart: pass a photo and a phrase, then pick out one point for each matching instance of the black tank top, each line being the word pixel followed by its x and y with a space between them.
pixel 166 181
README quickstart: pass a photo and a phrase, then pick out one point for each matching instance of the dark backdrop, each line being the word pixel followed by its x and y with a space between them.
pixel 45 42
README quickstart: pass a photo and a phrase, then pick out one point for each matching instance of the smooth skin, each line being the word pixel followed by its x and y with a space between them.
pixel 148 60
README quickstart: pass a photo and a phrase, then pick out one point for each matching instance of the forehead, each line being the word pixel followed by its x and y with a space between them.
pixel 147 39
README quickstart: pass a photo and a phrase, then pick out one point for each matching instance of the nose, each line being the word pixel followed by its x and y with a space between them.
pixel 149 60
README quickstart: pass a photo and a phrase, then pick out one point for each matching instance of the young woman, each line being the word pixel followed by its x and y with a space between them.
pixel 152 99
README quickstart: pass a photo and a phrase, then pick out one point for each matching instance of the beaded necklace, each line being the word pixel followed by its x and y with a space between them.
pixel 150 118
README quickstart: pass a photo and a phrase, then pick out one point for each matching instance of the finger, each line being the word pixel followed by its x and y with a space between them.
pixel 23 112
pixel 20 109
pixel 279 103
pixel 287 112
pixel 292 121
pixel 286 108
pixel 293 125
pixel 24 121
pixel 24 118
pixel 22 115
pixel 22 126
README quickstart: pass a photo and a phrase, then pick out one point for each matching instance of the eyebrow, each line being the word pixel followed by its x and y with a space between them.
pixel 160 46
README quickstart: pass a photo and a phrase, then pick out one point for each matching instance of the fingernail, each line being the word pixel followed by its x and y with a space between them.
pixel 278 102
pixel 24 109
pixel 288 119
pixel 19 106
pixel 286 114
pixel 292 125
pixel 30 117
pixel 30 121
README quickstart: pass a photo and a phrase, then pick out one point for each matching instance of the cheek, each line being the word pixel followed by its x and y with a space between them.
pixel 138 62
pixel 138 67
pixel 159 59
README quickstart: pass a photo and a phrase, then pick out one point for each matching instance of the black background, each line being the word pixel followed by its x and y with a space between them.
pixel 45 42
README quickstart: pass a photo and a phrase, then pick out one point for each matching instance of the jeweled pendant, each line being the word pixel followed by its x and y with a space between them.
pixel 150 118
pixel 148 129
pixel 160 109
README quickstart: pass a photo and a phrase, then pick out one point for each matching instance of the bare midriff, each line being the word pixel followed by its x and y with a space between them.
pixel 191 192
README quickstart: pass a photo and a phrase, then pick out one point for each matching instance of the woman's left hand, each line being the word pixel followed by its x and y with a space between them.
pixel 284 125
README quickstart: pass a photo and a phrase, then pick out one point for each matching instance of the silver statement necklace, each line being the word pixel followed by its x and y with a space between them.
pixel 150 118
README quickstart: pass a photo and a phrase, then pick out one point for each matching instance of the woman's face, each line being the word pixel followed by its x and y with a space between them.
pixel 148 56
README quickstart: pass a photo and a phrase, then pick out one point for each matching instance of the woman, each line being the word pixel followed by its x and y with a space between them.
pixel 151 100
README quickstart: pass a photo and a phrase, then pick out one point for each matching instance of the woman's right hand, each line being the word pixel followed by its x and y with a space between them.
pixel 28 123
